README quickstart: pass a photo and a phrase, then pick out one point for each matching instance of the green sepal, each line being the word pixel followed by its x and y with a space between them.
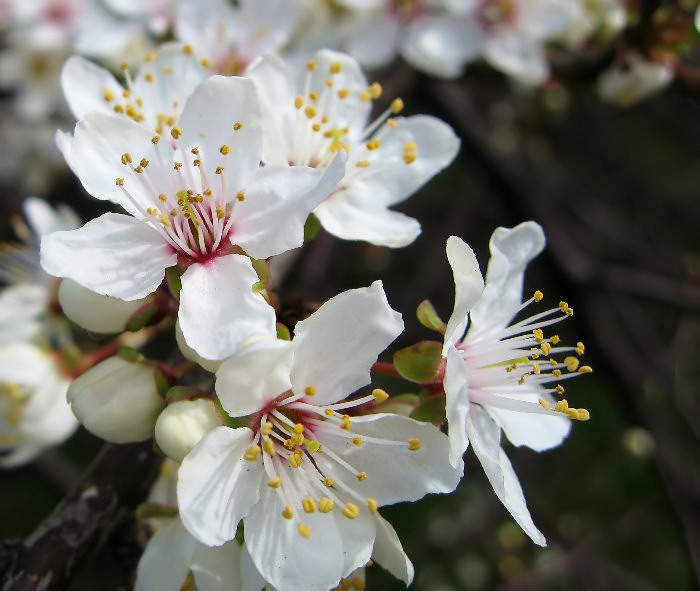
pixel 150 510
pixel 283 332
pixel 311 228
pixel 180 393
pixel 430 410
pixel 419 363
pixel 148 314
pixel 398 404
pixel 174 281
pixel 164 380
pixel 263 271
pixel 429 318
pixel 130 354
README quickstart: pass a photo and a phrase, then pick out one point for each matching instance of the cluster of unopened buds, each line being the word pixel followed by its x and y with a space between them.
pixel 278 450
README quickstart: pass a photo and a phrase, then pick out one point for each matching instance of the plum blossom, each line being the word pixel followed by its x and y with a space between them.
pixel 327 111
pixel 34 413
pixel 499 376
pixel 508 34
pixel 195 197
pixel 635 79
pixel 304 476
pixel 231 37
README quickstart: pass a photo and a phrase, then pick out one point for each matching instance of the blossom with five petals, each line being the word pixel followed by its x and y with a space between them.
pixel 327 111
pixel 196 198
pixel 498 376
pixel 305 477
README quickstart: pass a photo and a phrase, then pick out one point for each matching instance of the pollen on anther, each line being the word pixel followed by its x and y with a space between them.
pixel 336 68
pixel 119 182
pixel 580 348
pixel 363 163
pixel 294 460
pixel 224 149
pixel 188 49
pixel 299 102
pixel 357 441
pixel 275 482
pixel 252 453
pixel 325 505
pixel 375 89
pixel 396 106
pixel 126 158
pixel 311 65
pixel 372 505
pixel 538 295
pixel 269 447
pixel 240 195
pixel 361 476
pixel 155 139
pixel 287 512
pixel 310 390
pixel 176 132
pixel 585 369
pixel 149 76
pixel 351 511
pixel 544 404
pixel 304 530
pixel 559 389
pixel 343 93
pixel 328 481
pixel 107 94
pixel 414 444
pixel 308 504
pixel 237 126
pixel 379 395
pixel 219 170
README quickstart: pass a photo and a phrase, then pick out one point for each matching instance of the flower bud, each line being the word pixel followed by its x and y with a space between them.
pixel 182 424
pixel 93 311
pixel 117 400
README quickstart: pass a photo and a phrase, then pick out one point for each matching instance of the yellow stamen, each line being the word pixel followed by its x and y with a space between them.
pixel 414 444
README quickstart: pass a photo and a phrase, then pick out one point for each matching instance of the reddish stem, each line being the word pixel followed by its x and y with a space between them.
pixel 385 369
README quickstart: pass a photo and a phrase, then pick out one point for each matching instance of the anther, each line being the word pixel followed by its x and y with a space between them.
pixel 555 339
pixel 176 132
pixel 240 195
pixel 373 144
pixel 188 49
pixel 351 511
pixel 252 453
pixel 269 447
pixel 414 444
pixel 538 296
pixel 379 395
pixel 571 363
pixel 310 390
pixel 294 460
pixel 346 423
pixel 363 163
pixel 149 77
pixel 375 89
pixel 287 512
pixel 328 481
pixel 267 428
pixel 311 65
pixel 585 369
pixel 299 102
pixel 361 476
pixel 310 111
pixel 299 428
pixel 373 506
pixel 308 504
pixel 143 163
pixel 559 389
pixel 149 57
pixel 107 94
pixel 396 106
pixel 224 149
pixel 357 441
pixel 546 348
pixel 544 404
pixel 238 125
pixel 580 348
pixel 304 530
pixel 126 158
pixel 119 182
pixel 219 170
pixel 155 139
pixel 336 68
pixel 325 505
pixel 343 93
pixel 275 482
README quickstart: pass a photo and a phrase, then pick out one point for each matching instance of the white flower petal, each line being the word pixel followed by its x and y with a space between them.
pixel 336 346
pixel 278 200
pixel 511 250
pixel 20 308
pixel 218 308
pixel 257 374
pixel 388 466
pixel 99 143
pixel 115 255
pixel 165 562
pixel 207 122
pixel 44 219
pixel 469 285
pixel 517 55
pixel 374 39
pixel 251 579
pixel 543 19
pixel 217 569
pixel 347 214
pixel 456 404
pixel 216 487
pixel 536 431
pixel 484 436
pixel 389 553
pixel 85 84
pixel 294 563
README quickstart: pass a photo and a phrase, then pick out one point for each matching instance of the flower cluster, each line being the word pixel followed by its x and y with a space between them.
pixel 214 159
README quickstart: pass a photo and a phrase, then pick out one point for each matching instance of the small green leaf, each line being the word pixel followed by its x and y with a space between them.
pixel 179 393
pixel 172 278
pixel 261 268
pixel 129 354
pixel 431 410
pixel 311 228
pixel 283 332
pixel 148 314
pixel 163 381
pixel 419 363
pixel 429 318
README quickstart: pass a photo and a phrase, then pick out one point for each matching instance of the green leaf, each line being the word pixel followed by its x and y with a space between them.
pixel 129 354
pixel 429 318
pixel 261 268
pixel 179 393
pixel 283 332
pixel 419 363
pixel 172 278
pixel 431 410
pixel 311 228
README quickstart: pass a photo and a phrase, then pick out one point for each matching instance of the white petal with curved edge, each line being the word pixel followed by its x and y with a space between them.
pixel 278 200
pixel 219 310
pixel 395 473
pixel 374 39
pixel 511 251
pixel 517 55
pixel 99 142
pixel 207 122
pixel 20 308
pixel 287 560
pixel 254 376
pixel 165 563
pixel 389 553
pixel 216 487
pixel 44 219
pixel 456 404
pixel 393 180
pixel 469 285
pixel 347 215
pixel 114 255
pixel 217 569
pixel 87 86
pixel 251 579
pixel 484 436
pixel 536 431
pixel 336 346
